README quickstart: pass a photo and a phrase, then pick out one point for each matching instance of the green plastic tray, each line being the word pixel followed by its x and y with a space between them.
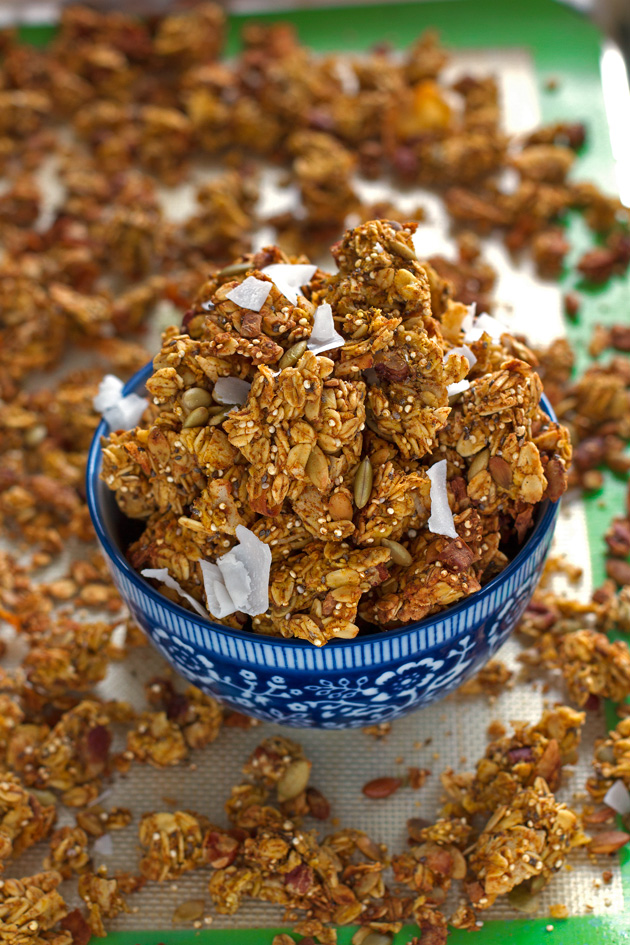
pixel 566 47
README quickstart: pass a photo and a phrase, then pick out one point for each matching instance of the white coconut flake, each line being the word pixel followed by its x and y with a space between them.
pixel 220 604
pixel 289 277
pixel 466 352
pixel 618 797
pixel 251 293
pixel 109 393
pixel 469 317
pixel 231 390
pixel 119 412
pixel 480 324
pixel 348 78
pixel 162 575
pixel 103 845
pixel 457 388
pixel 240 579
pixel 323 336
pixel 441 518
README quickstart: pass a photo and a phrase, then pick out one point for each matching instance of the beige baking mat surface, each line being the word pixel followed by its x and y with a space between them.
pixel 344 761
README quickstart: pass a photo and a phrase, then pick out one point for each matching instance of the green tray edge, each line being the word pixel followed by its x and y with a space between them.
pixel 562 43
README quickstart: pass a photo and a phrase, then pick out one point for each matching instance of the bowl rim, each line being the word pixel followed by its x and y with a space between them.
pixel 546 520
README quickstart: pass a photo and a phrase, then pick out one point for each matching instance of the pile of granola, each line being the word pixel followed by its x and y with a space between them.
pixel 328 456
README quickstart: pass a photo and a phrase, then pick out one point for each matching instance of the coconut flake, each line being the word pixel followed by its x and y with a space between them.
pixel 289 277
pixel 103 845
pixel 441 518
pixel 475 325
pixel 220 604
pixel 109 393
pixel 162 575
pixel 457 388
pixel 323 336
pixel 251 294
pixel 119 412
pixel 240 579
pixel 618 797
pixel 469 317
pixel 231 390
pixel 465 351
pixel 348 78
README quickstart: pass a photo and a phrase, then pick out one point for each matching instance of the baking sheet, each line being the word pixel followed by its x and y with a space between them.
pixel 344 761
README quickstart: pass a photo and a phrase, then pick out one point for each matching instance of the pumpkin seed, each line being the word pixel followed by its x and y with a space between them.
pixel 197 418
pixel 363 483
pixel 292 355
pixel 47 798
pixel 399 553
pixel 218 418
pixel 294 780
pixel 215 409
pixel 360 333
pixel 317 469
pixel 377 938
pixel 371 424
pixel 35 435
pixel 189 911
pixel 196 397
pixel 478 464
pixel 522 899
pixel 605 753
pixel 401 249
pixel 236 269
pixel 537 883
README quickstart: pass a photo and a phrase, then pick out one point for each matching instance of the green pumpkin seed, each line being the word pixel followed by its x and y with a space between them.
pixel 371 423
pixel 478 464
pixel 292 355
pixel 197 418
pixel 522 899
pixel 401 249
pixel 399 553
pixel 294 780
pixel 377 938
pixel 363 483
pixel 236 269
pixel 196 397
pixel 220 417
pixel 35 435
pixel 360 333
pixel 189 911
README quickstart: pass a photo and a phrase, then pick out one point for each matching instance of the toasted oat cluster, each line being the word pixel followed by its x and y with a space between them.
pixel 511 763
pixel 326 455
pixel 528 838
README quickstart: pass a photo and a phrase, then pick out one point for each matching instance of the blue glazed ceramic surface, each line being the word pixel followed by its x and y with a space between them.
pixel 345 684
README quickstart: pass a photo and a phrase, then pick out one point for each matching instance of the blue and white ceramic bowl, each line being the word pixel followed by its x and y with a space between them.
pixel 345 684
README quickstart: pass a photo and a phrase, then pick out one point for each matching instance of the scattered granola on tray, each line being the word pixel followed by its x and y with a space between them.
pixel 387 446
pixel 337 485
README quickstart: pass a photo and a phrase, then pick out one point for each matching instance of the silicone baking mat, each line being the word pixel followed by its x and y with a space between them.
pixel 525 44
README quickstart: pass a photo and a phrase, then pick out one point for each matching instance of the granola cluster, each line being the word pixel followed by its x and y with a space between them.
pixel 328 458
